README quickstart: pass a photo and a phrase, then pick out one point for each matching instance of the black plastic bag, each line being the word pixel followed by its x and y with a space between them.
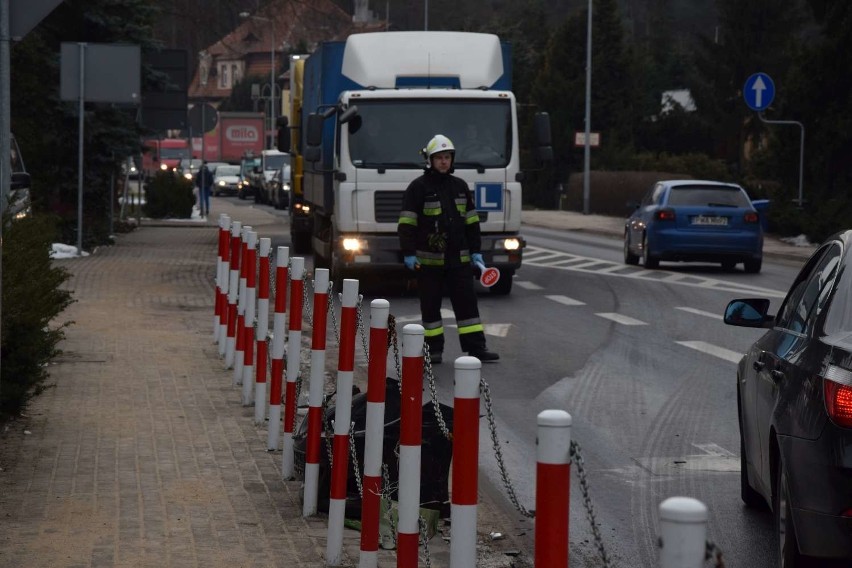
pixel 435 454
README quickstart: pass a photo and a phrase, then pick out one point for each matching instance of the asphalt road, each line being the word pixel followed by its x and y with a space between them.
pixel 646 368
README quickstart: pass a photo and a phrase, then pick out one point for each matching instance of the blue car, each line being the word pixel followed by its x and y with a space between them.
pixel 695 221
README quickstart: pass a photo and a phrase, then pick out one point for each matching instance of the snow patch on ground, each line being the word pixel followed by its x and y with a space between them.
pixel 799 241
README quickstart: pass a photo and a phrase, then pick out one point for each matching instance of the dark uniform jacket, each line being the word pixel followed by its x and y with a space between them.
pixel 438 222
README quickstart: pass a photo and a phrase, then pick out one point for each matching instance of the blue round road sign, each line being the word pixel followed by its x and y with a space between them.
pixel 759 91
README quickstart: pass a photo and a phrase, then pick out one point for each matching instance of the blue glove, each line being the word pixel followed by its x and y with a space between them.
pixel 410 262
pixel 476 258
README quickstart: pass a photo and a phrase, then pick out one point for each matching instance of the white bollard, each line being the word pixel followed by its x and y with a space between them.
pixel 465 474
pixel 552 488
pixel 317 381
pixel 239 346
pixel 279 323
pixel 374 432
pixel 220 263
pixel 223 292
pixel 410 441
pixel 294 348
pixel 233 293
pixel 683 533
pixel 251 311
pixel 342 417
pixel 262 331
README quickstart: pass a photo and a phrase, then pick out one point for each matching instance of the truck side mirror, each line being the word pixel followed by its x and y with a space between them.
pixel 541 129
pixel 312 154
pixel 283 134
pixel 314 132
pixel 20 180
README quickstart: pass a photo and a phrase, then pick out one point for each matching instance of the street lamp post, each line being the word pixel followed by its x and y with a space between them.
pixel 271 75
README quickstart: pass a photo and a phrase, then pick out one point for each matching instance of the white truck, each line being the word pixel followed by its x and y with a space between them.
pixel 364 108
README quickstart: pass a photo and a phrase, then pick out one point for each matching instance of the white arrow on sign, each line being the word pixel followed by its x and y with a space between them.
pixel 758 87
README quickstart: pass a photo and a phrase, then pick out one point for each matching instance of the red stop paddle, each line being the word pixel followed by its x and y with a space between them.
pixel 488 277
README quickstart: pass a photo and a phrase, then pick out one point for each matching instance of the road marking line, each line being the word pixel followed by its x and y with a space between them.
pixel 565 300
pixel 715 350
pixel 675 277
pixel 699 312
pixel 623 320
pixel 528 285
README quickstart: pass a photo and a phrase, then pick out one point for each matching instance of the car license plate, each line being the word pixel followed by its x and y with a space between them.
pixel 709 220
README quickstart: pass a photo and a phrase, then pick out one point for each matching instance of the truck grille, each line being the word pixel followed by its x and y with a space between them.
pixel 388 204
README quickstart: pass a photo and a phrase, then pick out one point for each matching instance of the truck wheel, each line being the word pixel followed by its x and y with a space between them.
pixel 504 285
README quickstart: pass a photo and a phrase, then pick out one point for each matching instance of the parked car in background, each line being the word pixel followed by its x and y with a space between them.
pixel 270 162
pixel 694 220
pixel 19 197
pixel 794 397
pixel 247 166
pixel 226 180
pixel 278 189
pixel 188 168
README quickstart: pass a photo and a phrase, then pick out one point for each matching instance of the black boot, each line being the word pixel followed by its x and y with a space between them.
pixel 436 358
pixel 484 355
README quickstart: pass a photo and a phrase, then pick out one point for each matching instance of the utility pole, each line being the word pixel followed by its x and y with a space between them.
pixel 587 151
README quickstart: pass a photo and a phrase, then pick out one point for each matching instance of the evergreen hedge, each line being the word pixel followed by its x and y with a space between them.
pixel 169 195
pixel 32 299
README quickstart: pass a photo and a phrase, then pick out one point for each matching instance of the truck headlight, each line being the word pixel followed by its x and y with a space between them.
pixel 187 176
pixel 164 167
pixel 511 244
pixel 222 183
pixel 351 245
pixel 286 187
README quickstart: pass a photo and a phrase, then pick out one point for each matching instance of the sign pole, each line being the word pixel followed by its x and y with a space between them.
pixel 81 125
pixel 800 200
pixel 587 152
pixel 5 119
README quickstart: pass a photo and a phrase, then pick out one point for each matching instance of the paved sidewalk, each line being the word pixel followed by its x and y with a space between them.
pixel 141 454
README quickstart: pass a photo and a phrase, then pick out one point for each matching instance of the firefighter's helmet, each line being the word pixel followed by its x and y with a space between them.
pixel 439 143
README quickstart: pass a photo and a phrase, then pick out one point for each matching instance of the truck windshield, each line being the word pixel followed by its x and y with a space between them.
pixel 391 133
pixel 276 161
pixel 174 153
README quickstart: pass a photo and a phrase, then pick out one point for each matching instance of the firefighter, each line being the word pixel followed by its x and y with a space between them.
pixel 439 237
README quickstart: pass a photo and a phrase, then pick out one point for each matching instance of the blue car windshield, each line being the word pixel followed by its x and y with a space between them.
pixel 697 195
pixel 390 133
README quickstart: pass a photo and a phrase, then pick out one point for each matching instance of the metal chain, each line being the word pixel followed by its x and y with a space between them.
pixel 271 280
pixel 386 494
pixel 577 458
pixel 424 540
pixel 393 342
pixel 498 452
pixel 354 455
pixel 433 392
pixel 329 432
pixel 359 324
pixel 307 314
pixel 715 554
pixel 331 313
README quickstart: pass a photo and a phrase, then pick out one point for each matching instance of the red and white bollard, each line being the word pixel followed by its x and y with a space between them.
pixel 224 269
pixel 279 322
pixel 294 345
pixel 683 533
pixel 251 309
pixel 233 293
pixel 317 382
pixel 410 440
pixel 552 483
pixel 239 352
pixel 220 261
pixel 465 475
pixel 342 418
pixel 262 331
pixel 371 497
